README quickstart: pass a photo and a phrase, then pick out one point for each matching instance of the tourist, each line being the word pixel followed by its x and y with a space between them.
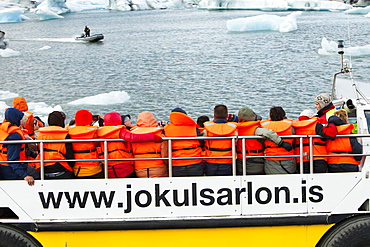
pixel 282 126
pixel 181 125
pixel 249 126
pixel 219 127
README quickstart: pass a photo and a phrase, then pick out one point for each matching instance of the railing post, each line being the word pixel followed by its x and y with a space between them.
pixel 301 155
pixel 311 154
pixel 170 158
pixel 105 159
pixel 244 159
pixel 42 170
pixel 233 154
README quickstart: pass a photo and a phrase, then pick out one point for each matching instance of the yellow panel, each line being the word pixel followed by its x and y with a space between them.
pixel 286 236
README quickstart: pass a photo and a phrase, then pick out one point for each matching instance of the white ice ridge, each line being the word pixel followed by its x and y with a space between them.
pixel 111 98
pixel 275 5
pixel 264 23
pixel 331 48
pixel 52 9
pixel 358 11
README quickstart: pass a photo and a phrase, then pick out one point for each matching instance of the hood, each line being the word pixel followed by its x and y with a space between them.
pixel 83 118
pixel 20 103
pixel 57 118
pixel 146 119
pixel 14 116
pixel 112 119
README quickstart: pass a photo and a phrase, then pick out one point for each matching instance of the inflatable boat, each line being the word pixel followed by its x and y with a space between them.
pixel 92 38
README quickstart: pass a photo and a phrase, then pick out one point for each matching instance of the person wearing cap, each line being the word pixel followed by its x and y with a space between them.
pixel 61 169
pixel 219 127
pixel 282 126
pixel 343 145
pixel 10 131
pixel 324 107
pixel 249 125
pixel 147 124
pixel 85 150
pixel 181 125
pixel 126 121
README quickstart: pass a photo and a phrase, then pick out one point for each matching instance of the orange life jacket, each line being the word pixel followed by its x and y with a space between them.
pixel 116 150
pixel 181 125
pixel 341 145
pixel 219 148
pixel 53 151
pixel 5 131
pixel 29 125
pixel 307 127
pixel 252 146
pixel 282 128
pixel 147 149
pixel 84 150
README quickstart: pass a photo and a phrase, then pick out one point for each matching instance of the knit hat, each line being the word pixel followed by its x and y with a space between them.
pixel 112 119
pixel 14 116
pixel 20 103
pixel 323 100
pixel 83 118
pixel 177 109
pixel 57 118
pixel 247 114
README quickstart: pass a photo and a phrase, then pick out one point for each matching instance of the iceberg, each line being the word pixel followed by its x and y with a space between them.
pixel 46 14
pixel 264 23
pixel 11 13
pixel 111 98
pixel 331 48
pixel 274 5
pixel 53 9
pixel 358 11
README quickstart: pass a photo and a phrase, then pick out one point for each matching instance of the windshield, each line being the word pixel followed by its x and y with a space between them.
pixel 367 115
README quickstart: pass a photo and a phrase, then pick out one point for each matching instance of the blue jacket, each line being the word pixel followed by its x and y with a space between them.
pixel 14 170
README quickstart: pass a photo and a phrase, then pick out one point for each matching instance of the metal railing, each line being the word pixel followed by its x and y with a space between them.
pixel 170 158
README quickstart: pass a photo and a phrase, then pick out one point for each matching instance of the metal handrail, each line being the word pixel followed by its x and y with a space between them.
pixel 170 158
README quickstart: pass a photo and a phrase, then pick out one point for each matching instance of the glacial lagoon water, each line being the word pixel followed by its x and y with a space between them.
pixel 162 59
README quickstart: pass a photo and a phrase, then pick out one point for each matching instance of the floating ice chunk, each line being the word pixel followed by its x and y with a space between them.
pixel 9 53
pixel 331 48
pixel 358 11
pixel 115 97
pixel 47 14
pixel 46 47
pixel 11 13
pixel 264 23
pixel 42 109
pixel 7 95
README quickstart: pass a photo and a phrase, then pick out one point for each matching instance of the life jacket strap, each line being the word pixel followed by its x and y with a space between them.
pixel 114 150
pixel 219 149
pixel 84 151
pixel 178 149
pixel 52 150
pixel 251 151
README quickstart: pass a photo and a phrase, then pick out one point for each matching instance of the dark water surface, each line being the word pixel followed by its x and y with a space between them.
pixel 178 58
